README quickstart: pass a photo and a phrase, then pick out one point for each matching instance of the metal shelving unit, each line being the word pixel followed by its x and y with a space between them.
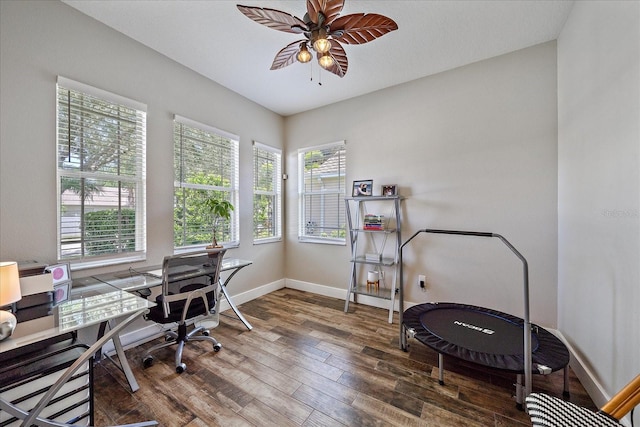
pixel 384 242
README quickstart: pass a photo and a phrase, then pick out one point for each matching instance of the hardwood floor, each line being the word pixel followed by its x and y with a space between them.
pixel 307 363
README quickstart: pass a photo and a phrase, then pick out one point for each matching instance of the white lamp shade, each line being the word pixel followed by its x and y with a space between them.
pixel 9 283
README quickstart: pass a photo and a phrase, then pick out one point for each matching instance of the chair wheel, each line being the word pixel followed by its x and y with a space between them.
pixel 147 361
pixel 181 368
pixel 206 333
pixel 217 347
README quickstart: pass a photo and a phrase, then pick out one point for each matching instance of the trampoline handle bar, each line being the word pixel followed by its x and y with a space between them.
pixel 525 268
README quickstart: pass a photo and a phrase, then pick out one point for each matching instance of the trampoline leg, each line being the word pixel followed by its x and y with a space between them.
pixel 403 339
pixel 440 369
pixel 519 393
pixel 565 392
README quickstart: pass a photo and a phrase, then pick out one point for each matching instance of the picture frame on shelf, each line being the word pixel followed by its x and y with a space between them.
pixel 389 190
pixel 362 188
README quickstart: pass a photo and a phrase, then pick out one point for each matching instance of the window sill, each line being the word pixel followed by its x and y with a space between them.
pixel 88 264
pixel 322 241
pixel 267 240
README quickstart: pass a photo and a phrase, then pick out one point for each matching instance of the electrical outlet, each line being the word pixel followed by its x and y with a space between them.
pixel 422 281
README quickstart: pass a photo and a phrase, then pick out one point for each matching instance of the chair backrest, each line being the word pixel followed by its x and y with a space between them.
pixel 190 275
pixel 624 400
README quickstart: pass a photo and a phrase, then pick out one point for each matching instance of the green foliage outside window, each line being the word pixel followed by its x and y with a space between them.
pixel 193 218
pixel 265 199
pixel 110 231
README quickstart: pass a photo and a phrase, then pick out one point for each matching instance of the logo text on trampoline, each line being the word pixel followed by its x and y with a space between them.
pixel 474 327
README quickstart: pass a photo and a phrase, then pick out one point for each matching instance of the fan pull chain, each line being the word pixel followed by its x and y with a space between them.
pixel 319 74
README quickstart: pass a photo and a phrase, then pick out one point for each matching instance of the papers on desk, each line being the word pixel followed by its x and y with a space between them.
pixel 155 273
pixel 129 283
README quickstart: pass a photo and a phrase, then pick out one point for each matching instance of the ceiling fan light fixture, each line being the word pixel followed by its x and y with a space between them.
pixel 325 61
pixel 304 55
pixel 321 43
pixel 324 31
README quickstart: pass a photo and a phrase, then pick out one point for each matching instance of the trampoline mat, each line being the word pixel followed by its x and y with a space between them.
pixel 483 336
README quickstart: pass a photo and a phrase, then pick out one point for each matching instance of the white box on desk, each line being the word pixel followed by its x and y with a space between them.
pixel 38 284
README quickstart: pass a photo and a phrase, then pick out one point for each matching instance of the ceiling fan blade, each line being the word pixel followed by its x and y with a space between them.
pixel 275 19
pixel 360 28
pixel 340 62
pixel 329 8
pixel 286 56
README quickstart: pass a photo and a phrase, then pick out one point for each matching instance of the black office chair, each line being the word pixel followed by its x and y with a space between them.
pixel 189 297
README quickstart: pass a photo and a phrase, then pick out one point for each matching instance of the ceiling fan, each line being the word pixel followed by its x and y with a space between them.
pixel 324 32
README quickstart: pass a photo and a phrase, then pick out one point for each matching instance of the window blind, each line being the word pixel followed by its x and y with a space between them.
pixel 267 193
pixel 322 191
pixel 206 164
pixel 101 174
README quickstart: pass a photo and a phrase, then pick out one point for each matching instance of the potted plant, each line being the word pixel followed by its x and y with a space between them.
pixel 219 209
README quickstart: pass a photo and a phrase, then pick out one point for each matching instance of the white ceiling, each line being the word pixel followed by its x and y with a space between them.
pixel 214 39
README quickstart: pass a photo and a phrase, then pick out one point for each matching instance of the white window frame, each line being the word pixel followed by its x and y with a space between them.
pixel 310 232
pixel 275 193
pixel 135 180
pixel 231 190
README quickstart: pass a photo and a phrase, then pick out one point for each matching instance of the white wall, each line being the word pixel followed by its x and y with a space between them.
pixel 599 189
pixel 474 148
pixel 41 40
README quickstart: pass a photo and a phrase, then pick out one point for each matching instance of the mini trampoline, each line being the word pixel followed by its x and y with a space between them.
pixel 484 336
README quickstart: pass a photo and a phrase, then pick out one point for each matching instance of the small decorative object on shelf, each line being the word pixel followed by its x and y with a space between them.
pixel 372 256
pixel 362 188
pixel 373 222
pixel 389 190
pixel 373 280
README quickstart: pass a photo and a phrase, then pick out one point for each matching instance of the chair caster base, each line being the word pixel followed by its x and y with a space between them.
pixel 217 347
pixel 147 361
pixel 181 368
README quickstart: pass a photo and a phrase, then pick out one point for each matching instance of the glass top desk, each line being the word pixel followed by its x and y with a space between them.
pixel 133 280
pixel 98 305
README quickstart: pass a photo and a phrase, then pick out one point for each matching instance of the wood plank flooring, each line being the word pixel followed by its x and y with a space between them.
pixel 307 363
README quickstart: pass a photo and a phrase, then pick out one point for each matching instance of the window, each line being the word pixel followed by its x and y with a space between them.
pixel 205 166
pixel 322 192
pixel 267 193
pixel 100 174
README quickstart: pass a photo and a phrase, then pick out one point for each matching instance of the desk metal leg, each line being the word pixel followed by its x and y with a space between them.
pixel 223 286
pixel 233 306
pixel 124 363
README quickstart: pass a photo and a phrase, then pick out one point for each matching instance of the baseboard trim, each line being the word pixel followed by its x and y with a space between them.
pixel 135 338
pixel 252 294
pixel 584 374
pixel 330 291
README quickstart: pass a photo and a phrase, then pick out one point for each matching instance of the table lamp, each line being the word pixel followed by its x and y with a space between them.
pixel 9 293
